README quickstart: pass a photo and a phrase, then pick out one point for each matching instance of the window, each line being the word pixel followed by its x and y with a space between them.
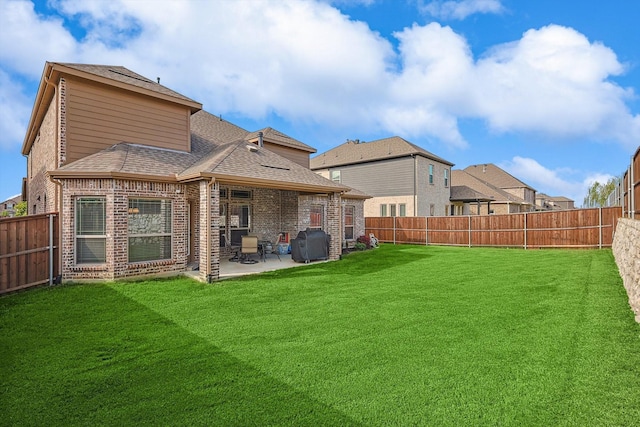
pixel 403 209
pixel 241 194
pixel 432 209
pixel 392 210
pixel 335 176
pixel 430 174
pixel 91 234
pixel 223 224
pixel 348 221
pixel 149 229
pixel 446 178
pixel 239 222
pixel 316 217
pixel 383 210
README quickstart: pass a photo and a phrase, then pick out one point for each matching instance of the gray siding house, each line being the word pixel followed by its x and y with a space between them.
pixel 402 178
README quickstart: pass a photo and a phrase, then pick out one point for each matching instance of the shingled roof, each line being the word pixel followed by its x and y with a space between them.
pixel 354 152
pixel 276 137
pixel 495 176
pixel 220 150
pixel 491 192
pixel 124 75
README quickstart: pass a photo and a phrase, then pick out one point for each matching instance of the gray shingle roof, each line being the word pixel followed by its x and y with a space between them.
pixel 462 193
pixel 276 137
pixel 462 178
pixel 219 149
pixel 495 176
pixel 124 75
pixel 362 152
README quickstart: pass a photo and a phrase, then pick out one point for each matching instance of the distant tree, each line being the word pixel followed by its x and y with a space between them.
pixel 4 214
pixel 598 193
pixel 21 208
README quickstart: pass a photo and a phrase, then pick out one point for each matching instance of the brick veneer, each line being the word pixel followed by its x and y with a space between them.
pixel 117 193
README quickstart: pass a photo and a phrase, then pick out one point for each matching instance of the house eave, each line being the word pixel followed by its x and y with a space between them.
pixel 59 174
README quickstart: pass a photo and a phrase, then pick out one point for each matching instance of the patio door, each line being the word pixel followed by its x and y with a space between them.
pixel 191 232
pixel 239 221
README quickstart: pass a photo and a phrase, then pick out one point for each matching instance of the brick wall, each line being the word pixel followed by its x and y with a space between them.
pixel 41 192
pixel 626 250
pixel 117 194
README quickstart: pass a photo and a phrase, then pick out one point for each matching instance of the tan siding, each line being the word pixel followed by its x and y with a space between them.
pixel 297 156
pixel 98 117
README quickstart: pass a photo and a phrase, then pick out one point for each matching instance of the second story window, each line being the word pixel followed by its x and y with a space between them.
pixel 430 174
pixel 335 176
pixel 446 178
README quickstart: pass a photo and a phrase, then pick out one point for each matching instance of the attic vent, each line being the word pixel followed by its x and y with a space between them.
pixel 252 148
pixel 275 167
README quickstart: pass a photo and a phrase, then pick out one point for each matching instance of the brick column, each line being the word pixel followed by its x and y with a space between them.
pixel 334 225
pixel 209 222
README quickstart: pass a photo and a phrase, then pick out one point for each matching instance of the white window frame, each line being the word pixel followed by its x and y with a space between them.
pixel 316 209
pixel 351 226
pixel 430 174
pixel 336 176
pixel 134 209
pixel 79 236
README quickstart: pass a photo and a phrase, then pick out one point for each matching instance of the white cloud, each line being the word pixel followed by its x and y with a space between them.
pixel 14 110
pixel 461 9
pixel 306 62
pixel 553 182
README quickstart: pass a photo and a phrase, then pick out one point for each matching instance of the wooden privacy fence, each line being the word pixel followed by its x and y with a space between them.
pixel 577 228
pixel 28 251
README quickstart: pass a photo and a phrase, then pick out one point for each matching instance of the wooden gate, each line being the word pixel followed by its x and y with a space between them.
pixel 28 251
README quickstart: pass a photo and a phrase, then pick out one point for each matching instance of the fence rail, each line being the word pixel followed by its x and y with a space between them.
pixel 576 228
pixel 28 251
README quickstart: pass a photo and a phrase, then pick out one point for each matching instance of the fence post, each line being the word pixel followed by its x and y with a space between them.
pixel 426 231
pixel 469 216
pixel 394 230
pixel 600 228
pixel 525 231
pixel 50 249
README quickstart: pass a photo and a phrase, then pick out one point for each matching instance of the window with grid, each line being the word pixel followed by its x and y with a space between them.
pixel 91 235
pixel 349 221
pixel 149 229
pixel 316 216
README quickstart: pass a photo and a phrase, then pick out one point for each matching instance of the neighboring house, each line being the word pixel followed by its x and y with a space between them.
pixel 402 178
pixel 548 203
pixel 8 207
pixel 472 196
pixel 148 183
pixel 499 178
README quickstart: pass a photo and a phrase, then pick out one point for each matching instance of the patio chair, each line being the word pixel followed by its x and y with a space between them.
pixel 272 247
pixel 249 247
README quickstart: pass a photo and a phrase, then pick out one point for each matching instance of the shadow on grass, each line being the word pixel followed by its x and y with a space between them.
pixel 121 363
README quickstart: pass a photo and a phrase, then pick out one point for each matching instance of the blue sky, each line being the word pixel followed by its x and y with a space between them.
pixel 546 89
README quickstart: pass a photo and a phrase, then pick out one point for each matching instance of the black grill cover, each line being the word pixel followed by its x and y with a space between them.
pixel 310 245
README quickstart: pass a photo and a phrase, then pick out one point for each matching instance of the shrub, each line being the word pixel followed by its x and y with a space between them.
pixel 360 246
pixel 365 241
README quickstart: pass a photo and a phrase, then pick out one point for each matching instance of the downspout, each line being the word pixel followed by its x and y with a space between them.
pixel 209 236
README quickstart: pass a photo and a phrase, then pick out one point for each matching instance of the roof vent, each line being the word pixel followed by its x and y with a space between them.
pixel 252 148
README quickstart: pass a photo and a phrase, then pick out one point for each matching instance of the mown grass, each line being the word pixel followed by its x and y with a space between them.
pixel 403 335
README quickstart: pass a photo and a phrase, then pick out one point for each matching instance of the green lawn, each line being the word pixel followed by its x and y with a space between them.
pixel 400 335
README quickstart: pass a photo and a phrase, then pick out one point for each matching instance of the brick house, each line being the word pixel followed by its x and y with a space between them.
pixel 524 196
pixel 402 178
pixel 147 183
pixel 8 207
pixel 473 196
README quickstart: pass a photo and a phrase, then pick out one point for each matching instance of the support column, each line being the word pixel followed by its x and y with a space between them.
pixel 209 223
pixel 334 224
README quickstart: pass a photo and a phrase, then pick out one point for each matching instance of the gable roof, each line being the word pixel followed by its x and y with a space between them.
pixel 354 152
pixel 220 150
pixel 115 76
pixel 496 176
pixel 490 192
pixel 462 193
pixel 274 136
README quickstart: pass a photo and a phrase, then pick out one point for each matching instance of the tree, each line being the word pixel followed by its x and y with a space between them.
pixel 20 208
pixel 598 194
